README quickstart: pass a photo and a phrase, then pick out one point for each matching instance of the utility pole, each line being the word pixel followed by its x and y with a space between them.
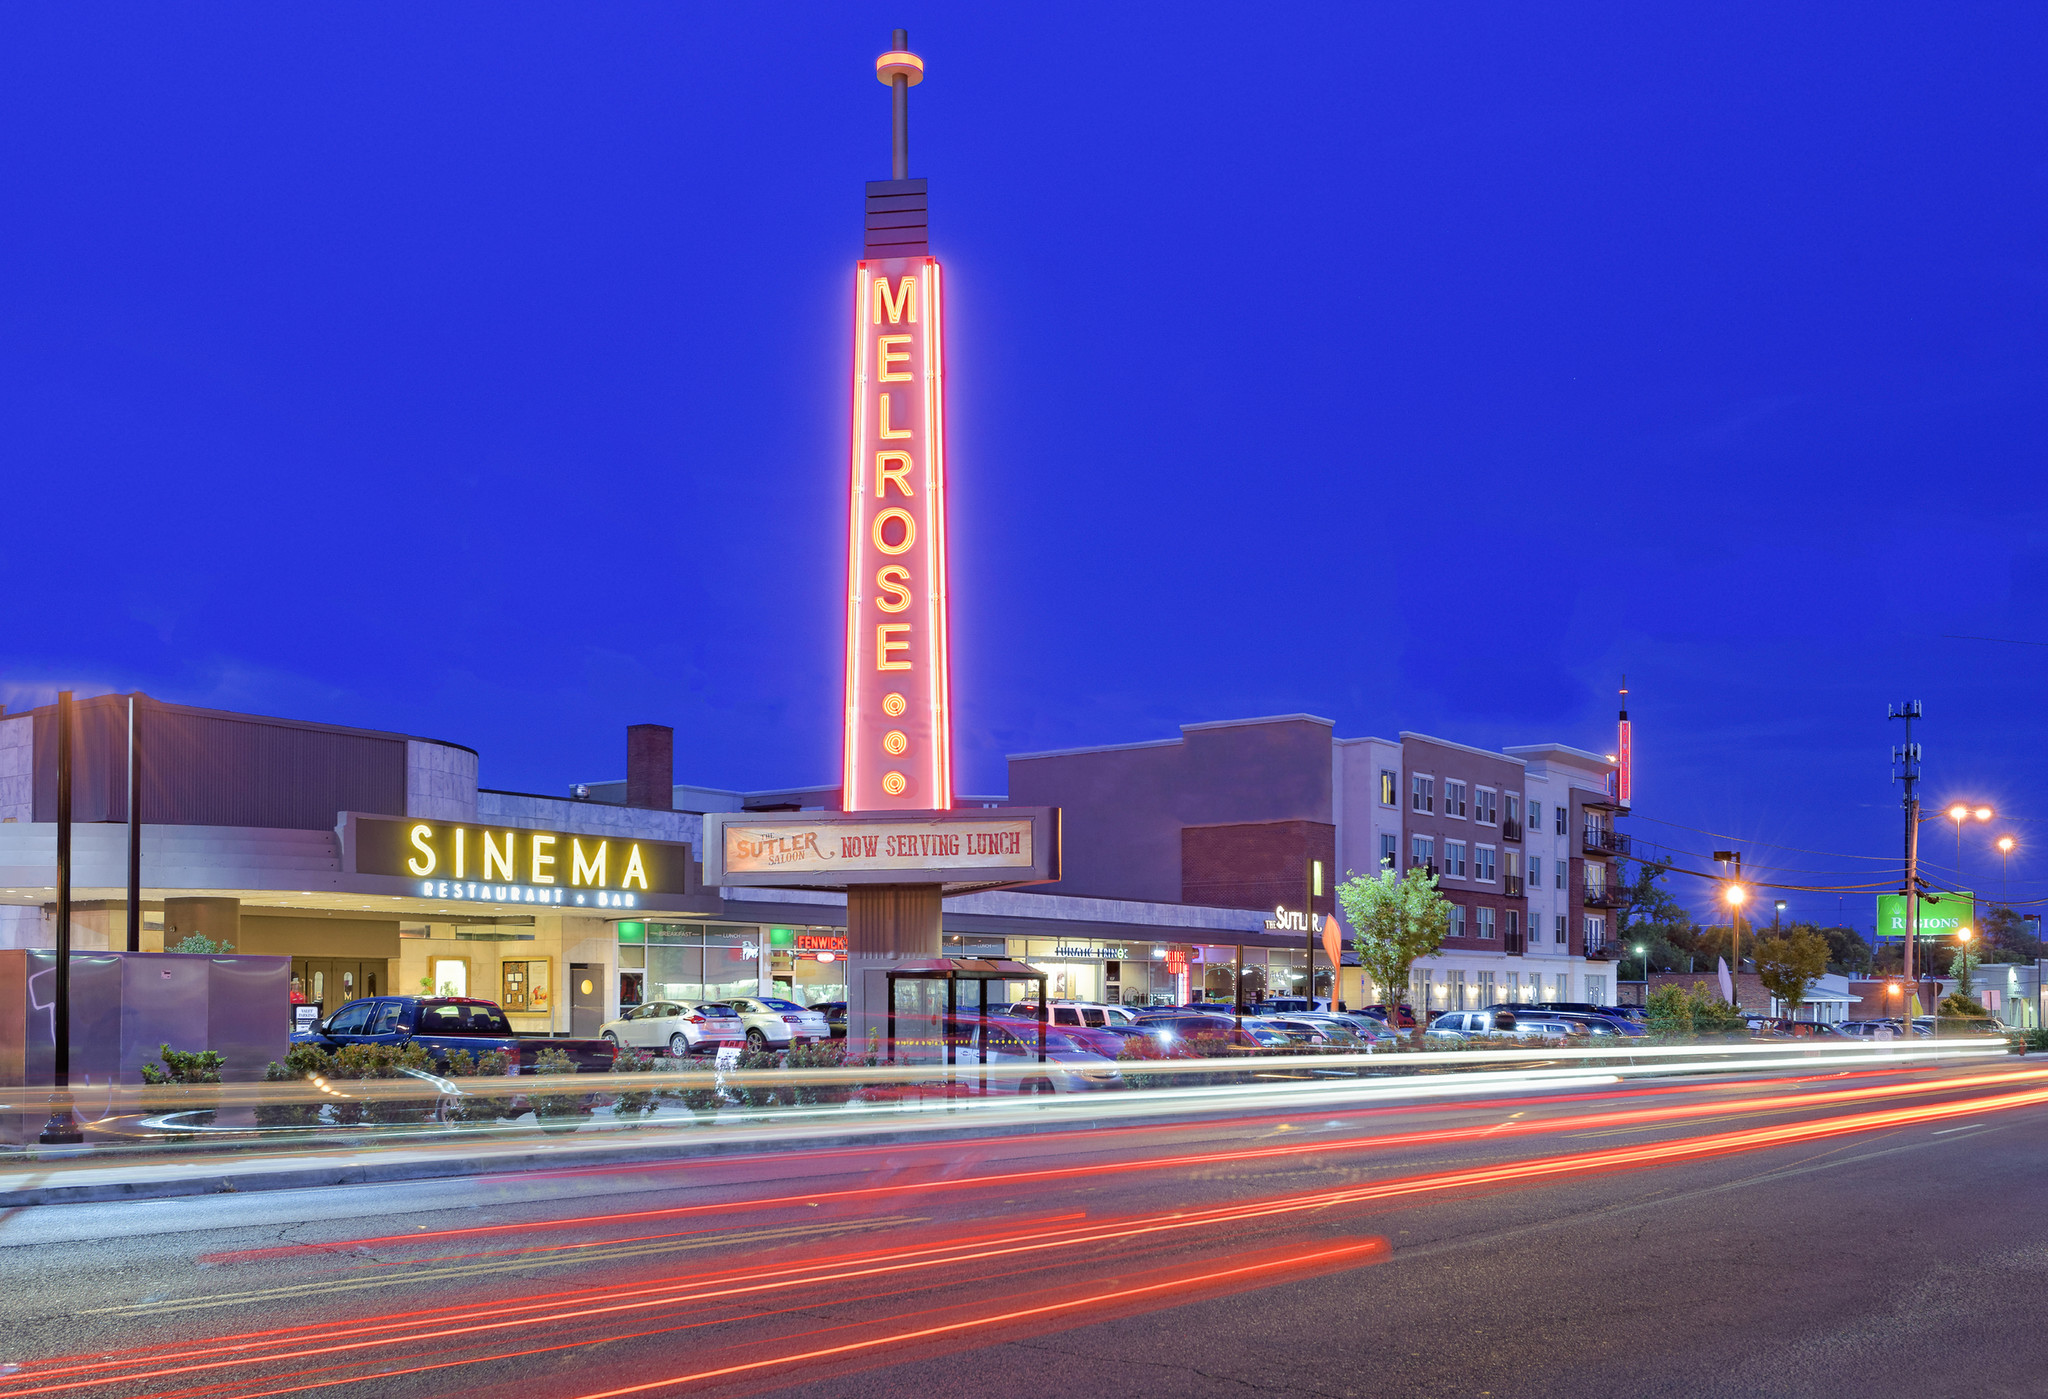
pixel 1906 769
pixel 1734 857
pixel 62 1128
pixel 1314 883
pixel 134 835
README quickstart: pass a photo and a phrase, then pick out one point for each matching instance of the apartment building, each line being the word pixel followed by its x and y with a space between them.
pixel 1521 840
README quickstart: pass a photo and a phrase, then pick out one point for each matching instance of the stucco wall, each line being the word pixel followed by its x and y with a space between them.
pixel 17 768
pixel 440 781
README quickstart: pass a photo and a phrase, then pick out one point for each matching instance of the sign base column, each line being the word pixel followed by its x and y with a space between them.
pixel 886 925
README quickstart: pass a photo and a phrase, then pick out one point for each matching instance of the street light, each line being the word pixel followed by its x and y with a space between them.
pixel 2005 845
pixel 1777 913
pixel 1735 895
pixel 1960 813
pixel 1644 953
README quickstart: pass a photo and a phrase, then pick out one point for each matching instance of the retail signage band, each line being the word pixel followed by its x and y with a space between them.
pixel 898 741
pixel 503 864
pixel 864 846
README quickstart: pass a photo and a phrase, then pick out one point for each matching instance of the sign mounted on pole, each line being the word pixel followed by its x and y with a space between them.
pixel 898 741
pixel 956 850
pixel 1941 915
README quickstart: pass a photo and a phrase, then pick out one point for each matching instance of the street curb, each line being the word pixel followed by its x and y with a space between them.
pixel 271 1176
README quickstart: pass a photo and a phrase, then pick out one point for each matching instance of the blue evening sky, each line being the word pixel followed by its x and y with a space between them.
pixel 478 371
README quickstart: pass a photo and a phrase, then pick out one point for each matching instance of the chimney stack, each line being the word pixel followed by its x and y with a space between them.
pixel 651 766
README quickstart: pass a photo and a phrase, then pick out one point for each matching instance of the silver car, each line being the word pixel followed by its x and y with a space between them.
pixel 777 1024
pixel 1070 1066
pixel 676 1028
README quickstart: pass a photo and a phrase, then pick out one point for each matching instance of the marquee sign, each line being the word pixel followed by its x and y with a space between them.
pixel 898 739
pixel 501 864
pixel 960 850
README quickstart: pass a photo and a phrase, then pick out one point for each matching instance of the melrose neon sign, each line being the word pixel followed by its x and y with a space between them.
pixel 898 741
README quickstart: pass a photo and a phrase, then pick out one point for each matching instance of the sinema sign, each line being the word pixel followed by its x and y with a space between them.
pixel 959 850
pixel 462 861
pixel 898 741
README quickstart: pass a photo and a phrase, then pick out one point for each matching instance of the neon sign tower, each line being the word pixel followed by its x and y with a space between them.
pixel 898 738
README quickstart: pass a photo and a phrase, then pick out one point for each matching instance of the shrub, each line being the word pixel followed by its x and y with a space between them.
pixel 559 1111
pixel 181 1067
pixel 292 1114
pixel 703 1097
pixel 476 1107
pixel 202 944
pixel 364 1062
pixel 634 1102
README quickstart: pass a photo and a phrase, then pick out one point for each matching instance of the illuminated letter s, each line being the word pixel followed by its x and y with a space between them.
pixel 420 836
pixel 890 578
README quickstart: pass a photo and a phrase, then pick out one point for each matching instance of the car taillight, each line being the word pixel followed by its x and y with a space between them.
pixel 696 1020
pixel 792 1020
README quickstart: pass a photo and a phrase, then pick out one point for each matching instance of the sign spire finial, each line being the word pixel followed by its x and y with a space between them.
pixel 901 70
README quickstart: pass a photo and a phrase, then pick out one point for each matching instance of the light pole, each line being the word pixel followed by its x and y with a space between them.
pixel 1644 953
pixel 1960 813
pixel 2005 845
pixel 1777 914
pixel 1735 896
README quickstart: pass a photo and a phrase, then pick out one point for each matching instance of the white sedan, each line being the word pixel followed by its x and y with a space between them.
pixel 777 1024
pixel 676 1028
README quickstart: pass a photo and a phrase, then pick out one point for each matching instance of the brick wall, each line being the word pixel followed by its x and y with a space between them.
pixel 1257 864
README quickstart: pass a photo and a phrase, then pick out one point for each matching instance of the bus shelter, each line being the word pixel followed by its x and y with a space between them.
pixel 929 997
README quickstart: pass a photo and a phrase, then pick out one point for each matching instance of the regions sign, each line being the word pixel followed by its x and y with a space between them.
pixel 1940 915
pixel 829 850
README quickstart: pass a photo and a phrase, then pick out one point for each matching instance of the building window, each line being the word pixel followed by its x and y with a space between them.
pixel 1535 873
pixel 1454 859
pixel 1535 816
pixel 1514 807
pixel 1390 792
pixel 1422 795
pixel 1422 850
pixel 1596 989
pixel 1486 806
pixel 1485 918
pixel 1486 997
pixel 1456 927
pixel 1390 850
pixel 1559 935
pixel 1482 862
pixel 1514 924
pixel 1560 814
pixel 1596 934
pixel 1557 869
pixel 1454 798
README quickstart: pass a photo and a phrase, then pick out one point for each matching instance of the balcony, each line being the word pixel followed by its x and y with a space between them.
pixel 1601 949
pixel 1600 896
pixel 1511 830
pixel 1606 841
pixel 1511 885
pixel 1512 944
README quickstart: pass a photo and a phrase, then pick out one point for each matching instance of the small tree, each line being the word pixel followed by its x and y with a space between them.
pixel 1395 919
pixel 1959 967
pixel 1788 966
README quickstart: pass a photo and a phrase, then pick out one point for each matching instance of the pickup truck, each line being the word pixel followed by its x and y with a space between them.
pixel 443 1023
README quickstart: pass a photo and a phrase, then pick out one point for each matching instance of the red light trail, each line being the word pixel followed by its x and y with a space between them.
pixel 436 1336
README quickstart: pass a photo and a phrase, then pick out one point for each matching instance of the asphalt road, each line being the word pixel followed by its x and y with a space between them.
pixel 1860 1234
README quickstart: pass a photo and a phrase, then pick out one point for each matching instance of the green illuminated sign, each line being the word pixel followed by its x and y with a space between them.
pixel 782 937
pixel 1940 915
pixel 632 932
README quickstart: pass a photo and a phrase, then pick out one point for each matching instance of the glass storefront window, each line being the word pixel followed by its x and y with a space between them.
pixel 700 962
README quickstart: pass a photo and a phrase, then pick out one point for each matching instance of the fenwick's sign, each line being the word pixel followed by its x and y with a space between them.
pixel 500 864
pixel 898 741
pixel 830 850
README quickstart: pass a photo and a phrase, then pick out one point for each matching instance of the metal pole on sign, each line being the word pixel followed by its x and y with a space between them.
pixel 899 112
pixel 1237 989
pixel 134 835
pixel 62 1128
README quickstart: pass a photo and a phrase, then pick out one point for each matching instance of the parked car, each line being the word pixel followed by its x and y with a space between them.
pixel 1366 1031
pixel 1469 1024
pixel 1597 1026
pixel 835 1017
pixel 1070 1066
pixel 1950 1026
pixel 440 1024
pixel 1871 1029
pixel 1406 1021
pixel 773 1023
pixel 677 1028
pixel 1174 1031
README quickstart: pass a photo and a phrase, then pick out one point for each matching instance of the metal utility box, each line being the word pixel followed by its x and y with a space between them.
pixel 124 1006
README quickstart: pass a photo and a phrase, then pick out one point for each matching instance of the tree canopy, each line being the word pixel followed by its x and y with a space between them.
pixel 1789 965
pixel 1395 919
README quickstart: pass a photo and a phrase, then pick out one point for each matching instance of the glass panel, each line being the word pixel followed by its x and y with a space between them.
pixel 919 1008
pixel 675 962
pixel 450 976
pixel 732 961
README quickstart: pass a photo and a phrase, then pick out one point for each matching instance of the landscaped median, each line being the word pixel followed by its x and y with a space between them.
pixel 370 1093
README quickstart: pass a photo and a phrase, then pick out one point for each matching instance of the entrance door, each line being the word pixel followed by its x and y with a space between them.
pixel 586 999
pixel 332 982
